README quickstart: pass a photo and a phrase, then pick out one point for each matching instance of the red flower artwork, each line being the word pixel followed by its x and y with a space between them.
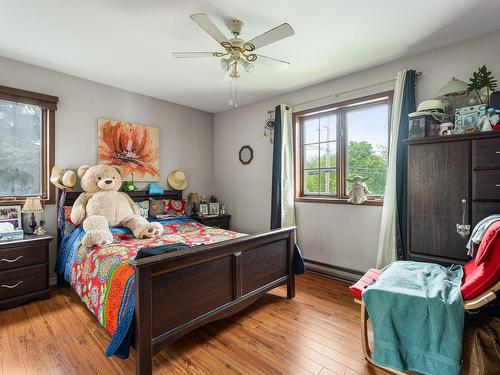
pixel 133 148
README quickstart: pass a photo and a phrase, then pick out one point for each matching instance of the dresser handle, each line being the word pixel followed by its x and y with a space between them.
pixel 497 185
pixel 12 260
pixel 12 286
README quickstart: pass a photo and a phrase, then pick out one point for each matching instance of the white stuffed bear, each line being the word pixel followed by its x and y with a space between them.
pixel 101 206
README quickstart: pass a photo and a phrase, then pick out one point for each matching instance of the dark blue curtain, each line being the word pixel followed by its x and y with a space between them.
pixel 408 106
pixel 276 182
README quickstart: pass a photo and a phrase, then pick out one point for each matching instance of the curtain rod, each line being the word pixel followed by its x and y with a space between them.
pixel 342 93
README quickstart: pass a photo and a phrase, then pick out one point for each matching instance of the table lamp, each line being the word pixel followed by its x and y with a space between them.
pixel 31 206
pixel 193 198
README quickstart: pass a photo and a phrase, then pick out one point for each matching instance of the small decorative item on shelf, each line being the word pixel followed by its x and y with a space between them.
pixel 214 208
pixel 467 119
pixel 482 83
pixel 203 209
pixel 129 186
pixel 193 199
pixel 416 127
pixel 213 199
pixel 32 205
pixel 223 210
pixel 446 128
pixel 358 189
pixel 491 119
pixel 203 198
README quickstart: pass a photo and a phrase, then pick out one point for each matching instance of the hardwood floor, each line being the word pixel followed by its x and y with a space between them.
pixel 317 332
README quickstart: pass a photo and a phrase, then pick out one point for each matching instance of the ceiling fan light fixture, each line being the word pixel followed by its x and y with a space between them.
pixel 249 67
pixel 224 64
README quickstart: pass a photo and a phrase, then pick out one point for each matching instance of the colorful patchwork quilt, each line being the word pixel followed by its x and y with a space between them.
pixel 104 278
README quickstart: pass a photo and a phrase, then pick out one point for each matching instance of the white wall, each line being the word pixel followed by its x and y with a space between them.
pixel 186 134
pixel 335 234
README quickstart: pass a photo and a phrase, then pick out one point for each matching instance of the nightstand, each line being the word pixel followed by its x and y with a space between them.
pixel 221 221
pixel 24 270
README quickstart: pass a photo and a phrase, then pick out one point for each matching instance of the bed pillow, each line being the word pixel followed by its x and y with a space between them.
pixel 68 224
pixel 162 208
pixel 158 207
pixel 143 208
pixel 176 207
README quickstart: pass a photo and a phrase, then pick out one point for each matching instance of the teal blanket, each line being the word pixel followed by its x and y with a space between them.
pixel 417 315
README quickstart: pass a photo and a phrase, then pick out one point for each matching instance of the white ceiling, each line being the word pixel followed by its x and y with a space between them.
pixel 128 43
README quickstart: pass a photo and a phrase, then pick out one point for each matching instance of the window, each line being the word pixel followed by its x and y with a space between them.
pixel 340 141
pixel 26 144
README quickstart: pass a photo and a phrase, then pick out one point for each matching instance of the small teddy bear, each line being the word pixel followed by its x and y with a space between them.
pixel 102 206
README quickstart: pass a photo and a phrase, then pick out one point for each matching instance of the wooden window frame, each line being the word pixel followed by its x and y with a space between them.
pixel 48 104
pixel 339 108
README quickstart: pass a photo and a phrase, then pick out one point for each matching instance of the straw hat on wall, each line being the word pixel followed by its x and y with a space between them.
pixel 177 180
pixel 63 178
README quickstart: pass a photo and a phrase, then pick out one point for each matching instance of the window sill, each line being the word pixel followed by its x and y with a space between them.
pixel 313 199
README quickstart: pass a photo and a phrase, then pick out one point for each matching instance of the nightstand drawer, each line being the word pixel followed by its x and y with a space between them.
pixel 22 281
pixel 15 257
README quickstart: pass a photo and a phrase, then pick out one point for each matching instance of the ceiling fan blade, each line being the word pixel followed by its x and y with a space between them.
pixel 206 24
pixel 272 63
pixel 279 32
pixel 182 55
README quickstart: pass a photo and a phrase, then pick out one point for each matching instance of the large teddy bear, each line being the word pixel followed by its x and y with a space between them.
pixel 102 206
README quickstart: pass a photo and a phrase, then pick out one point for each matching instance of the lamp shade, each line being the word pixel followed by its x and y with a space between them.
pixel 193 198
pixel 453 87
pixel 32 205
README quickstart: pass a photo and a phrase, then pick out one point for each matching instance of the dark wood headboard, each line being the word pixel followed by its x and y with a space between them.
pixel 137 196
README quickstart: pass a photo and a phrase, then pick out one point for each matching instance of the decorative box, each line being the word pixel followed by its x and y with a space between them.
pixel 423 125
pixel 16 234
pixel 467 119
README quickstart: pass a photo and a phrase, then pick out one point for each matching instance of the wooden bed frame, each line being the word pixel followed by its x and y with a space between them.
pixel 180 291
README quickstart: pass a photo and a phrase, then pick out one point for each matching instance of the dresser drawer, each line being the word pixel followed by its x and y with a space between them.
pixel 482 209
pixel 21 281
pixel 486 153
pixel 15 257
pixel 486 185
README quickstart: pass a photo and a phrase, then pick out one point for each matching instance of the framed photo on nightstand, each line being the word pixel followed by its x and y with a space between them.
pixel 214 209
pixel 203 209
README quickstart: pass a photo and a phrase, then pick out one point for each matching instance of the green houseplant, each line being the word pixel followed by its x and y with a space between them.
pixel 482 79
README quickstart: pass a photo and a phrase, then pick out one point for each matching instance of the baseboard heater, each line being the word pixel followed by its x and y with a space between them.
pixel 340 272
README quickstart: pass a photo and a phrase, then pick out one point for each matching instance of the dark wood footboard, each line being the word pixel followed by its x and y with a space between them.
pixel 178 292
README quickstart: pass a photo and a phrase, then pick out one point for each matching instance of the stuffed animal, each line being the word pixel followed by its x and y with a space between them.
pixel 102 206
pixel 358 189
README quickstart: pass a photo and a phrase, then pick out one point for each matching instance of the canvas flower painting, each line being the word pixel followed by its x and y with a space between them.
pixel 134 148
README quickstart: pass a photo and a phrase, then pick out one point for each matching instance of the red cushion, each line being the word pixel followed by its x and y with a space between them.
pixel 487 245
pixel 367 279
pixel 483 271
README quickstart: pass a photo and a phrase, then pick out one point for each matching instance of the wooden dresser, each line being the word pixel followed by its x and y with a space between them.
pixel 442 171
pixel 24 270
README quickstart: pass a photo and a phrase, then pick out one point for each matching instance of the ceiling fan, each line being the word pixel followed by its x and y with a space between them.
pixel 238 52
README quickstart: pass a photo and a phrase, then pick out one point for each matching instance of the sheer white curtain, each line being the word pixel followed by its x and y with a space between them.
pixel 287 170
pixel 387 247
